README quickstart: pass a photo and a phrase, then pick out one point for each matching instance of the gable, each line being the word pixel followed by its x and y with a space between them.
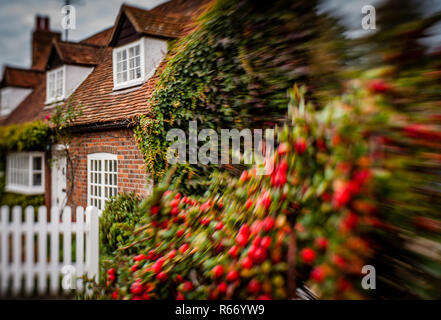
pixel 54 60
pixel 125 32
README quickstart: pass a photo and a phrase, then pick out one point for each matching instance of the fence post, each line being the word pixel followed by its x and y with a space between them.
pixel 80 246
pixel 67 239
pixel 16 248
pixel 29 234
pixel 92 243
pixel 17 269
pixel 42 250
pixel 4 222
pixel 54 247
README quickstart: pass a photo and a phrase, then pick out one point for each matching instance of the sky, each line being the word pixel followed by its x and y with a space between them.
pixel 17 19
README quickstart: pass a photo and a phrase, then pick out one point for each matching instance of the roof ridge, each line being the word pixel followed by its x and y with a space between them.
pixel 80 43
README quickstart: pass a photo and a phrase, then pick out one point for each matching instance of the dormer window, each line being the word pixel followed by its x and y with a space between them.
pixel 5 106
pixel 128 64
pixel 55 85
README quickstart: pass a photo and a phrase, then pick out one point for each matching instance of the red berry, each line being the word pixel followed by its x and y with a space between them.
pixel 180 296
pixel 245 229
pixel 145 296
pixel 233 251
pixel 174 203
pixel 140 257
pixel 188 286
pixel 242 239
pixel 115 295
pixel 219 225
pixel 183 248
pixel 174 211
pixel 243 176
pixel 111 271
pixel 283 148
pixel 254 286
pixel 256 241
pixel 268 224
pixel 264 297
pixel 322 243
pixel 249 204
pixel 162 276
pixel 266 242
pixel 378 86
pixel 134 268
pixel 317 274
pixel 222 287
pixel 300 146
pixel 136 288
pixel 172 254
pixel 111 277
pixel 308 255
pixel 154 210
pixel 247 263
pixel 180 232
pixel 233 275
pixel 218 271
pixel 259 255
pixel 178 196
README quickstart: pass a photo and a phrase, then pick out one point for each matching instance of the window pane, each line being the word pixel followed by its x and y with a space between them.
pixel 36 163
pixel 36 179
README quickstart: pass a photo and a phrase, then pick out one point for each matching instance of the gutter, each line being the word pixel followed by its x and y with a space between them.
pixel 123 124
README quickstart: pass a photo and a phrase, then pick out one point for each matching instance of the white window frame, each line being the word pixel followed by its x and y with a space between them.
pixel 5 94
pixel 134 82
pixel 50 99
pixel 26 189
pixel 102 198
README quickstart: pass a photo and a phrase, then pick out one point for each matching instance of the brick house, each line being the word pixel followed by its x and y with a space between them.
pixel 110 76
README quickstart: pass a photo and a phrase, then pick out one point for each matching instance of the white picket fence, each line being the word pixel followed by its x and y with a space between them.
pixel 30 250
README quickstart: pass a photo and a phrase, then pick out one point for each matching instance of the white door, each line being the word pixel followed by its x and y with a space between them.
pixel 59 181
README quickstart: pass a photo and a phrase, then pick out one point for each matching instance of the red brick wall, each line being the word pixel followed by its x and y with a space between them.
pixel 132 175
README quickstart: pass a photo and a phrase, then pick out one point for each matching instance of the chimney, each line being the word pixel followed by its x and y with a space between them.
pixel 41 42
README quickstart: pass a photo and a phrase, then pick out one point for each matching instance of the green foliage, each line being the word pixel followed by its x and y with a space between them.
pixel 305 223
pixel 14 199
pixel 25 137
pixel 225 74
pixel 118 221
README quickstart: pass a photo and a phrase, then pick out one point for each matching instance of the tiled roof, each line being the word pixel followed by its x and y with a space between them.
pixel 23 78
pixel 181 8
pixel 100 38
pixel 30 108
pixel 149 23
pixel 99 103
pixel 95 96
pixel 78 53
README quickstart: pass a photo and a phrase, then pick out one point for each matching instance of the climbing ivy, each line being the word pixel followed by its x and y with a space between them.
pixel 233 71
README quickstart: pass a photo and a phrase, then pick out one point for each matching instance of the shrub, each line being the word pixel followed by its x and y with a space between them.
pixel 117 222
pixel 307 223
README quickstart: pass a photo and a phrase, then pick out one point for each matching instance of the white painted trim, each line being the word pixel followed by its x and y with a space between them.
pixel 134 82
pixel 63 95
pixel 99 156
